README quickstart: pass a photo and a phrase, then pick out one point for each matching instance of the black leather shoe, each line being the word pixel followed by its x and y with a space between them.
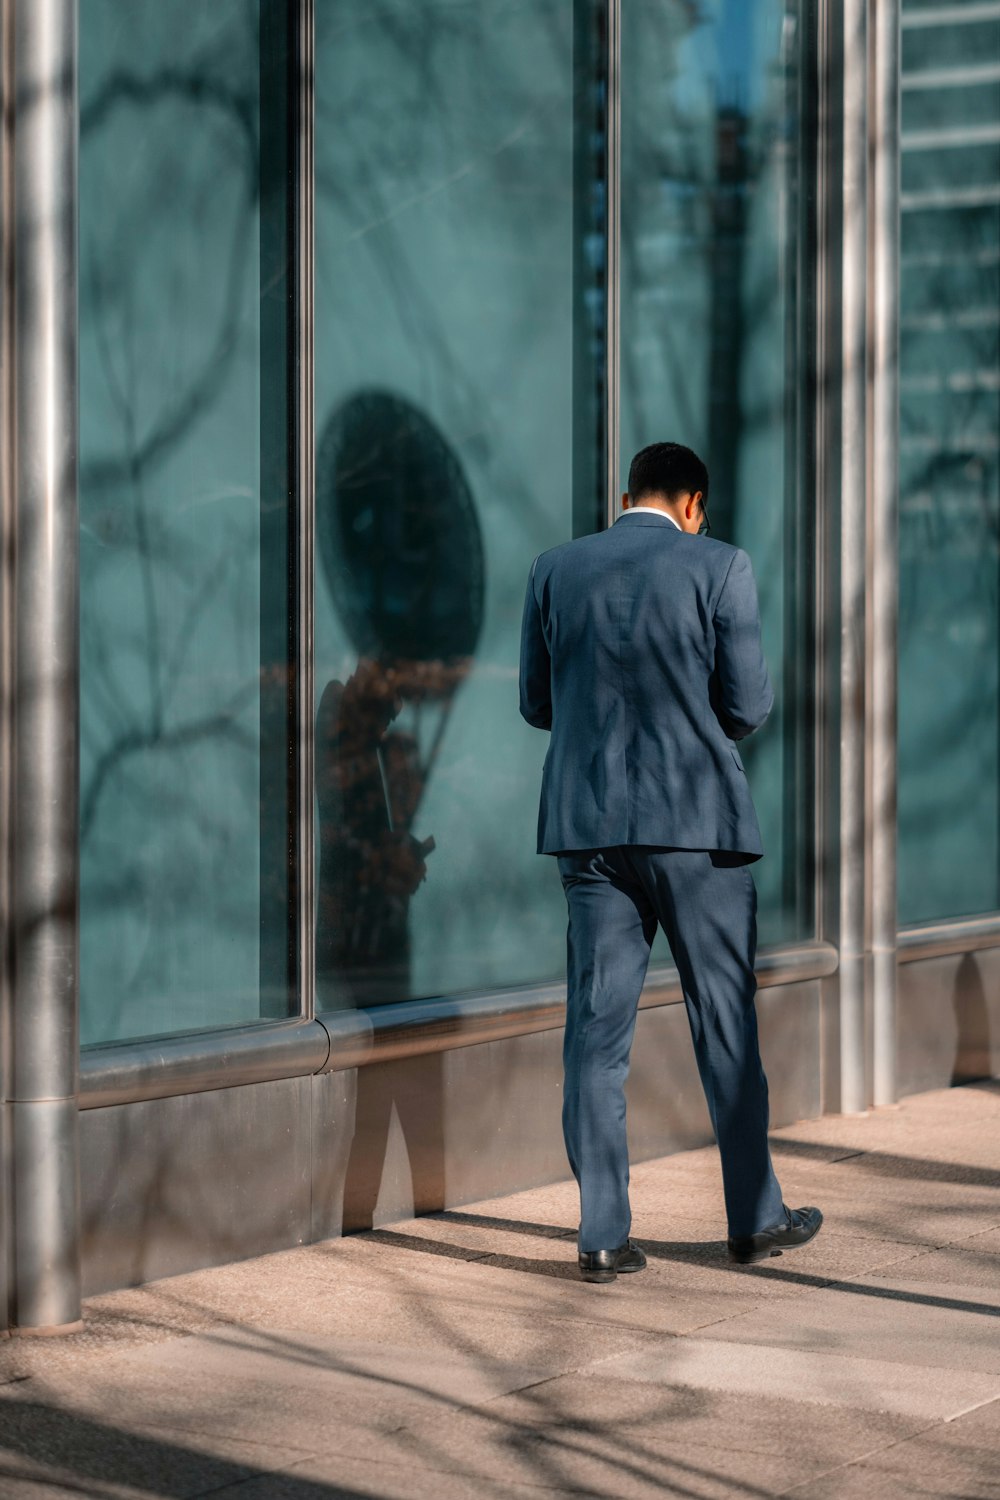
pixel 802 1225
pixel 604 1265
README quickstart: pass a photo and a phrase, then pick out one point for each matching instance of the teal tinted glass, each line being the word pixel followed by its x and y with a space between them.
pixel 711 353
pixel 184 285
pixel 459 317
pixel 949 558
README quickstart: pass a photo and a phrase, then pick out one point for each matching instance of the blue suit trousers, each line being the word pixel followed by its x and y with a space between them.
pixel 706 902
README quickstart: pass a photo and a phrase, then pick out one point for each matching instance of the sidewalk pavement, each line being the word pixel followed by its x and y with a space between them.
pixel 459 1355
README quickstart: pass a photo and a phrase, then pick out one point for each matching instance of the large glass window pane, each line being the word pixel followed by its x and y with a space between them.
pixel 711 352
pixel 949 557
pixel 186 796
pixel 459 418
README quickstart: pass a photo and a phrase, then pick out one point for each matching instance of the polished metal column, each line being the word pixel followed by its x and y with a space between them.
pixel 853 508
pixel 883 541
pixel 41 708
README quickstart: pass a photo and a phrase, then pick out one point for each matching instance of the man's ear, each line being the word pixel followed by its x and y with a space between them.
pixel 625 500
pixel 692 501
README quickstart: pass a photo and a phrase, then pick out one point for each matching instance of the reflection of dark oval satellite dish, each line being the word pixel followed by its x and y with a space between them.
pixel 397 533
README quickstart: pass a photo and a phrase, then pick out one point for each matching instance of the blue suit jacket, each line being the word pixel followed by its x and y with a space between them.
pixel 641 651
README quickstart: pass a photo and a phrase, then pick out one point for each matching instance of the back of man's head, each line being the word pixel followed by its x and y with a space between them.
pixel 667 469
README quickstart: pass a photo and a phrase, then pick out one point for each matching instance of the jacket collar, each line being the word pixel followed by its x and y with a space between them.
pixel 639 517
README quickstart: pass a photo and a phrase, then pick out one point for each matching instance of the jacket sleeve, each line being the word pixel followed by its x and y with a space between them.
pixel 743 695
pixel 536 667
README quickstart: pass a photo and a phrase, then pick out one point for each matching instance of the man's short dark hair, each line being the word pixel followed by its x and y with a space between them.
pixel 667 469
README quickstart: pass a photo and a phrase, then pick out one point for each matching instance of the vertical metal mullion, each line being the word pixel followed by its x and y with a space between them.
pixel 590 91
pixel 853 520
pixel 279 485
pixel 306 501
pixel 799 276
pixel 826 555
pixel 820 162
pixel 884 530
pixel 613 260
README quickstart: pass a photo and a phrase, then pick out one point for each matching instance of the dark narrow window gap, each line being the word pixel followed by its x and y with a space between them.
pixel 279 490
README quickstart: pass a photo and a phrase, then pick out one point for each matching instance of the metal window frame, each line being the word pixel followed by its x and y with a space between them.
pixel 883 538
pixel 851 826
pixel 306 500
pixel 612 341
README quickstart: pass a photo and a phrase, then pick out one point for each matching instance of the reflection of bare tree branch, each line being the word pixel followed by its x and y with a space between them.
pixel 126 408
pixel 222 723
pixel 132 467
pixel 205 388
pixel 193 86
pixel 207 591
pixel 171 570
pixel 376 141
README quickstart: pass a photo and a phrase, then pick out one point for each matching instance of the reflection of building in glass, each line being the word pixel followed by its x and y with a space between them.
pixel 949 474
pixel 367 308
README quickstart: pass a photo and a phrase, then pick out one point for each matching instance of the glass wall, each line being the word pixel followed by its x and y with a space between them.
pixel 949 560
pixel 461 376
pixel 459 315
pixel 186 797
pixel 711 356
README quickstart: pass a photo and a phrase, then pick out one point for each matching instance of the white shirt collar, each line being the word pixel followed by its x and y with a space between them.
pixel 654 510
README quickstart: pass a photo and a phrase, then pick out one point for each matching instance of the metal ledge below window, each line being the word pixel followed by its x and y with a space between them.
pixel 421 1026
pixel 198 1061
pixel 264 1052
pixel 939 939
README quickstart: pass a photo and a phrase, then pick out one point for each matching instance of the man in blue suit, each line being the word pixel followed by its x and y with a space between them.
pixel 641 652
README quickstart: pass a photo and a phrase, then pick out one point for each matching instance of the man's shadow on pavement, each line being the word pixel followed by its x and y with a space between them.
pixel 708 1254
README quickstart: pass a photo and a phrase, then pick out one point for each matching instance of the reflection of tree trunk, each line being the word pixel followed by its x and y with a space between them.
pixel 368 783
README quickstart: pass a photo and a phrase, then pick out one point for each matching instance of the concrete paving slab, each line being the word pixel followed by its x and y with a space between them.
pixel 833 1252
pixel 284 1386
pixel 528 1293
pixel 611 1437
pixel 957 1265
pixel 935 1327
pixel 927 1213
pixel 986 1239
pixel 684 1287
pixel 950 1459
pixel 693 1261
pixel 343 1478
pixel 631 1477
pixel 46 1448
pixel 529 1287
pixel 824 1376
